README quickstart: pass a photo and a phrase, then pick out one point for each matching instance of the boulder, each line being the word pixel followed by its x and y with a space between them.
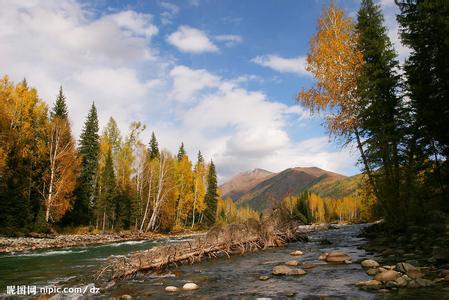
pixel 386 276
pixel 372 272
pixel 293 263
pixel 284 270
pixel 323 256
pixel 369 284
pixel 296 253
pixel 369 263
pixel 401 281
pixel 414 273
pixel 338 257
pixel 404 267
pixel 308 265
pixel 171 288
pixel 190 286
pixel 424 282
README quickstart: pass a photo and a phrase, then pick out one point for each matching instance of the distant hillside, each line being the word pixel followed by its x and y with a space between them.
pixel 242 183
pixel 337 188
pixel 270 191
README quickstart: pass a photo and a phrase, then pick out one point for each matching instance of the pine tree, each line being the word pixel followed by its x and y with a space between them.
pixel 89 150
pixel 106 205
pixel 200 158
pixel 425 30
pixel 211 197
pixel 60 107
pixel 153 147
pixel 379 108
pixel 181 152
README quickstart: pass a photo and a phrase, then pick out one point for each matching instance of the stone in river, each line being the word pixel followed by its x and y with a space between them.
pixel 284 270
pixel 415 273
pixel 190 286
pixel 401 281
pixel 296 253
pixel 338 257
pixel 369 284
pixel 386 276
pixel 424 282
pixel 372 272
pixel 308 265
pixel 125 297
pixel 323 256
pixel 369 263
pixel 404 267
pixel 293 263
pixel 171 288
pixel 264 278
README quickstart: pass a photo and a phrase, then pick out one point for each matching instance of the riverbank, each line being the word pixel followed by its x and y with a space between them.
pixel 25 244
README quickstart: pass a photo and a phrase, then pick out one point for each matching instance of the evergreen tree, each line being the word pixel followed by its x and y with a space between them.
pixel 60 107
pixel 106 205
pixel 379 117
pixel 153 147
pixel 181 152
pixel 211 196
pixel 425 30
pixel 89 150
pixel 200 158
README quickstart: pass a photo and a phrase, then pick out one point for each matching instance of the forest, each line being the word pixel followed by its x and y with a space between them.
pixel 396 114
pixel 105 182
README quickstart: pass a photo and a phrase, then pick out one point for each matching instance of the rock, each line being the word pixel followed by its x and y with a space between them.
pixel 404 267
pixel 125 297
pixel 190 286
pixel 381 270
pixel 293 263
pixel 323 256
pixel 371 272
pixel 413 285
pixel 401 281
pixel 369 263
pixel 325 242
pixel 391 284
pixel 384 291
pixel 264 278
pixel 338 257
pixel 424 282
pixel 296 253
pixel 386 276
pixel 308 265
pixel 369 284
pixel 414 274
pixel 171 288
pixel 388 267
pixel 284 270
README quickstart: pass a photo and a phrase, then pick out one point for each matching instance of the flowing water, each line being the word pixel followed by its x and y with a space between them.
pixel 223 278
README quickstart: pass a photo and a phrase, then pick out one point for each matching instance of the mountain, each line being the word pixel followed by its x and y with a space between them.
pixel 243 182
pixel 267 189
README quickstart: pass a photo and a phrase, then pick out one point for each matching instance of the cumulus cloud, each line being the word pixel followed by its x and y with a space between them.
pixel 189 39
pixel 296 65
pixel 170 11
pixel 106 59
pixel 187 82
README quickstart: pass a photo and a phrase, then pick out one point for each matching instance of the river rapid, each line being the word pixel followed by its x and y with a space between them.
pixel 224 278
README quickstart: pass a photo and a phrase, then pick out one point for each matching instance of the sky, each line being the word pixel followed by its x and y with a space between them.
pixel 219 75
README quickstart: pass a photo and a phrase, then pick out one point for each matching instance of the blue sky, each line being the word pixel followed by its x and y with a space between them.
pixel 221 76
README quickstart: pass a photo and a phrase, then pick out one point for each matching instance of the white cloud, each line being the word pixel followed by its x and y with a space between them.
pixel 187 82
pixel 296 65
pixel 188 39
pixel 229 39
pixel 170 11
pixel 111 60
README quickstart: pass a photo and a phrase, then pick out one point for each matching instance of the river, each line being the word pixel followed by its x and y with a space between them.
pixel 223 278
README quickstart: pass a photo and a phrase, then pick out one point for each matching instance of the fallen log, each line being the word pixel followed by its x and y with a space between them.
pixel 218 241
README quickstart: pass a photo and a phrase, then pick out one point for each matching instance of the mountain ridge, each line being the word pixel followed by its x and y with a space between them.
pixel 261 189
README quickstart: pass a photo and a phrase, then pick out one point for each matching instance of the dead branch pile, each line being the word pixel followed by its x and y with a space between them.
pixel 218 241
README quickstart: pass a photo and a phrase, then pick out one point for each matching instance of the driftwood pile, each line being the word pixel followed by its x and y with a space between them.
pixel 218 241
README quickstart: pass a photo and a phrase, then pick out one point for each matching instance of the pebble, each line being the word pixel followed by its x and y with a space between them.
pixel 264 278
pixel 296 253
pixel 171 289
pixel 190 286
